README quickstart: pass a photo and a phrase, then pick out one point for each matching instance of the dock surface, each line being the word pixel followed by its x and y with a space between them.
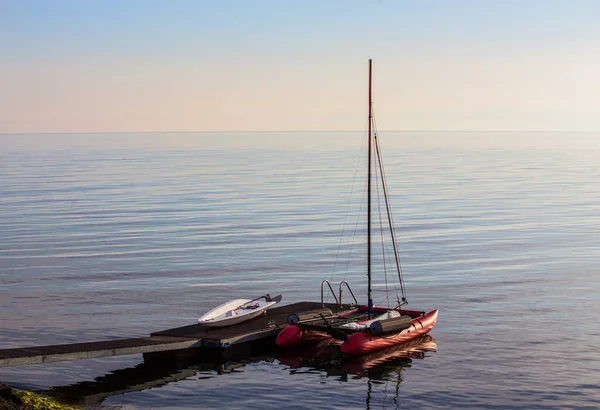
pixel 186 337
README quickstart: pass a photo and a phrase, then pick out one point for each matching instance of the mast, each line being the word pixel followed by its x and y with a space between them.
pixel 369 298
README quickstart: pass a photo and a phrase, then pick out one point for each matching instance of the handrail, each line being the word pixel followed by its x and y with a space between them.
pixel 323 292
pixel 352 293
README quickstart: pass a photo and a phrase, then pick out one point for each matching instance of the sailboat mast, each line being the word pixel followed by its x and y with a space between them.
pixel 370 299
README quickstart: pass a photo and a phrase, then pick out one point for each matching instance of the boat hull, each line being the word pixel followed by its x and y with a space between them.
pixel 358 343
pixel 232 312
pixel 363 342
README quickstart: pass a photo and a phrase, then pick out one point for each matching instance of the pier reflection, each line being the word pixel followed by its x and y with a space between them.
pixel 159 369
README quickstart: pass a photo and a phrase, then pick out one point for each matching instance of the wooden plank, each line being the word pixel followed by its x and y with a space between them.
pixel 77 351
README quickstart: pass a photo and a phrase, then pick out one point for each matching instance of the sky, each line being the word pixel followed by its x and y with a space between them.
pixel 183 65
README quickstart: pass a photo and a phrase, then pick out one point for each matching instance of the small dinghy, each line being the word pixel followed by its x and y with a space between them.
pixel 238 311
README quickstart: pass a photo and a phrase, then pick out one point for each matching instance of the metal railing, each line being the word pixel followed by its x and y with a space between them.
pixel 323 292
pixel 349 290
pixel 338 301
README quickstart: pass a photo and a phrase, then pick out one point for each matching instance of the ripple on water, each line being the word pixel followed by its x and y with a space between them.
pixel 106 236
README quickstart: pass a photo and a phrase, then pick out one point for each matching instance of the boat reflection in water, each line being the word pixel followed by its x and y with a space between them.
pixel 382 369
pixel 378 365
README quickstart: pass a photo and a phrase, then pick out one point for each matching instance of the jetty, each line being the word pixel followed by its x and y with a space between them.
pixel 195 336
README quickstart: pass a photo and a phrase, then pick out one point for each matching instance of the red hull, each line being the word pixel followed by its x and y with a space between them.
pixel 363 342
pixel 360 342
pixel 293 336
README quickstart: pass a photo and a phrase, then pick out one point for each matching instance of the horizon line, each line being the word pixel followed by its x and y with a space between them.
pixel 274 131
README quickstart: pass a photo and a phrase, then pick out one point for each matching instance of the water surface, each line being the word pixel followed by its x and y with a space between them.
pixel 118 235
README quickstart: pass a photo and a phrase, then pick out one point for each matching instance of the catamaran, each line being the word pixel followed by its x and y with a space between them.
pixel 364 328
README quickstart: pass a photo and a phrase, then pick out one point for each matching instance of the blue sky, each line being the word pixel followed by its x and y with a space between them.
pixel 77 66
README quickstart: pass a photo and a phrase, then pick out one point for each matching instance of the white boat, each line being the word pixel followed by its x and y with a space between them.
pixel 238 311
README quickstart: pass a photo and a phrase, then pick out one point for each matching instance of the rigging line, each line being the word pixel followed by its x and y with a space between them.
pixel 387 298
pixel 378 171
pixel 354 233
pixel 396 254
pixel 390 218
pixel 355 230
pixel 348 206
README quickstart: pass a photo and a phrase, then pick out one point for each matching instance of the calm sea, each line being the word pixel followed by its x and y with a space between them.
pixel 107 236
